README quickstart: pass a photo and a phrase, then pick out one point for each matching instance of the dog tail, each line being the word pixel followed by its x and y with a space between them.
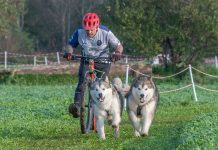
pixel 121 98
pixel 117 82
pixel 121 89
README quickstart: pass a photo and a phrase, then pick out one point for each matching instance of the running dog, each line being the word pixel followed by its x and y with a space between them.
pixel 142 100
pixel 107 105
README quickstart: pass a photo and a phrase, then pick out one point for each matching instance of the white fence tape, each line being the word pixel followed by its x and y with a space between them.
pixel 26 59
pixel 44 60
pixel 171 75
pixel 30 55
pixel 51 58
pixel 204 73
pixel 174 90
pixel 203 88
pixel 158 77
pixel 184 87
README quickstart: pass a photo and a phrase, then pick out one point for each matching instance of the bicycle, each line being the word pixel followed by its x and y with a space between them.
pixel 87 118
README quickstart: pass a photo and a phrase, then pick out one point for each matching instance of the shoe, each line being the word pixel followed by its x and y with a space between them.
pixel 74 110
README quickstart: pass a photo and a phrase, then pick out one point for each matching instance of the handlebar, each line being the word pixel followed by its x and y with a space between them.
pixel 76 57
pixel 109 58
pixel 88 58
pixel 100 59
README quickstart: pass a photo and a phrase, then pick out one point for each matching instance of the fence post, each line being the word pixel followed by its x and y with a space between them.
pixel 6 59
pixel 58 57
pixel 46 61
pixel 193 84
pixel 127 78
pixel 216 63
pixel 34 60
pixel 127 71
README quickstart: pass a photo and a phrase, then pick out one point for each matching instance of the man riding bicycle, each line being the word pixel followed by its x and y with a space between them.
pixel 95 40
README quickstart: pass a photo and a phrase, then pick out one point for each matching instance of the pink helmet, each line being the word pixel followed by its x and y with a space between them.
pixel 90 21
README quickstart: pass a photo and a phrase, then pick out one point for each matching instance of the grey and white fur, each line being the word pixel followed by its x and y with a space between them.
pixel 142 100
pixel 107 105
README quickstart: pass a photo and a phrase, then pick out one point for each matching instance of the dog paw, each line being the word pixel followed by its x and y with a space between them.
pixel 137 134
pixel 110 122
pixel 144 134
pixel 102 138
pixel 116 134
pixel 114 126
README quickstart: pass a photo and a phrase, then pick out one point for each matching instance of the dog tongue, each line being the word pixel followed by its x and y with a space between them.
pixel 142 100
pixel 101 99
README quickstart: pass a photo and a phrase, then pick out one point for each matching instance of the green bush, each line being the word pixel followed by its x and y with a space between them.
pixel 5 76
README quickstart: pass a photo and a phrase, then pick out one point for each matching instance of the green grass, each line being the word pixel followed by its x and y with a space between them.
pixel 36 117
pixel 200 133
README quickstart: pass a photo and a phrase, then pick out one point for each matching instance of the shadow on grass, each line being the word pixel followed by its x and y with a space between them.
pixel 161 137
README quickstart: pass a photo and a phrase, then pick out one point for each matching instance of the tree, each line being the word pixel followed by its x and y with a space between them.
pixel 8 15
pixel 190 26
pixel 134 22
pixel 11 26
pixel 51 22
pixel 184 29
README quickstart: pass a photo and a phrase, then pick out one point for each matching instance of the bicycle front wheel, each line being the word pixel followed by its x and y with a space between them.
pixel 86 113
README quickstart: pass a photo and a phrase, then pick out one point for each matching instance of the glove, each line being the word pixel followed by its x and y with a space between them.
pixel 116 56
pixel 68 56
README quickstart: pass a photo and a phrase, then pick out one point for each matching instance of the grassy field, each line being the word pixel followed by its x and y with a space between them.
pixel 36 117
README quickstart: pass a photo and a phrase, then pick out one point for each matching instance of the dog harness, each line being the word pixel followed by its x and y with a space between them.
pixel 139 108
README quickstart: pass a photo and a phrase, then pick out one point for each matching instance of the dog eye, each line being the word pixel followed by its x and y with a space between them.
pixel 103 89
pixel 146 89
pixel 96 89
pixel 139 88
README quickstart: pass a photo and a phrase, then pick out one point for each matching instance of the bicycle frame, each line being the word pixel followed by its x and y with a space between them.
pixel 87 119
pixel 91 69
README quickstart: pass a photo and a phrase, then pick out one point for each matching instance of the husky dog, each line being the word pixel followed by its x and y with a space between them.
pixel 107 105
pixel 142 101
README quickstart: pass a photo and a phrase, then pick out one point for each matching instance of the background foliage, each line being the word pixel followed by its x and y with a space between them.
pixel 185 30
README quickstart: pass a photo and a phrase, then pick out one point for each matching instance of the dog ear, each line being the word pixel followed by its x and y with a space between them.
pixel 106 79
pixel 139 78
pixel 149 77
pixel 144 77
